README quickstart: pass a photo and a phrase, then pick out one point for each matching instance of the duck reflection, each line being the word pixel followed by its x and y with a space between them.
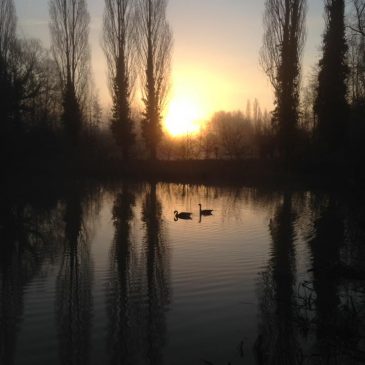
pixel 277 342
pixel 73 299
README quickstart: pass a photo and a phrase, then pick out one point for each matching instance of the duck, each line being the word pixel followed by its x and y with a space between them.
pixel 182 215
pixel 204 211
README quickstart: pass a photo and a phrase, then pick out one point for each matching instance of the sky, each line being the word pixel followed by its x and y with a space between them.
pixel 215 56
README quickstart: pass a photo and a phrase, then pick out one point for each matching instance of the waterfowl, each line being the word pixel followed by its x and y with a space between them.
pixel 182 215
pixel 204 211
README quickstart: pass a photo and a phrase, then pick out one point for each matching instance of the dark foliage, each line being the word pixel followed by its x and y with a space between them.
pixel 284 23
pixel 286 114
pixel 151 127
pixel 331 104
pixel 49 124
pixel 119 47
pixel 122 124
pixel 72 117
pixel 154 57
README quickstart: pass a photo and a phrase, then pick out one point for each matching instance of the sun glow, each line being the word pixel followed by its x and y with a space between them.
pixel 184 116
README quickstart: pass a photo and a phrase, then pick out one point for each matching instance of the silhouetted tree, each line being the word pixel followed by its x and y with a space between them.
pixel 69 26
pixel 284 37
pixel 356 40
pixel 358 24
pixel 28 91
pixel 155 44
pixel 20 69
pixel 233 133
pixel 29 96
pixel 248 110
pixel 42 101
pixel 309 96
pixel 331 103
pixel 119 40
pixel 7 44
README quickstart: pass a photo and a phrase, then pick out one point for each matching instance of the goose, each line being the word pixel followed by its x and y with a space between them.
pixel 182 215
pixel 204 211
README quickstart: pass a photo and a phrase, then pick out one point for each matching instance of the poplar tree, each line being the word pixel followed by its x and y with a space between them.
pixel 331 104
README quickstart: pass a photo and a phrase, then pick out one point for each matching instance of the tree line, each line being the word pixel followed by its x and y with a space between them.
pixel 330 112
pixel 53 90
pixel 48 101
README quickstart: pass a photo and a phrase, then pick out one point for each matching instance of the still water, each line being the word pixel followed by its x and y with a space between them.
pixel 106 275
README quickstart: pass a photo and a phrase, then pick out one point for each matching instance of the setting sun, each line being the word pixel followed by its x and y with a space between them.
pixel 184 116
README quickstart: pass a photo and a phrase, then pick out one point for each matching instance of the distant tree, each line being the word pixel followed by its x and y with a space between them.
pixel 257 113
pixel 233 133
pixel 331 104
pixel 119 42
pixel 34 84
pixel 358 21
pixel 356 63
pixel 45 107
pixel 357 51
pixel 7 45
pixel 284 37
pixel 308 100
pixel 69 26
pixel 97 113
pixel 154 56
pixel 356 41
pixel 26 86
pixel 248 110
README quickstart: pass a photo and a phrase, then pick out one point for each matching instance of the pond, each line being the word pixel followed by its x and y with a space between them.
pixel 109 275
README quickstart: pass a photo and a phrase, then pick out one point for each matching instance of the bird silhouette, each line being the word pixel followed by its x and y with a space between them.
pixel 182 215
pixel 204 212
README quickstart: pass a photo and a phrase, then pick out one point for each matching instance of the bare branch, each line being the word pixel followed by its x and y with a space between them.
pixel 69 27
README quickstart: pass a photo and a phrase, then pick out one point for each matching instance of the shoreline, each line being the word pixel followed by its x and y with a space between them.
pixel 227 172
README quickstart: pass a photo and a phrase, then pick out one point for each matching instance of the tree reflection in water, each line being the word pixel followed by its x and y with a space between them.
pixel 339 311
pixel 28 234
pixel 124 338
pixel 319 320
pixel 140 285
pixel 73 299
pixel 157 271
pixel 277 342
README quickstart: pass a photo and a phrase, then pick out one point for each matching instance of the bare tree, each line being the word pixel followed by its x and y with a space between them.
pixel 35 83
pixel 154 51
pixel 356 43
pixel 119 44
pixel 233 133
pixel 7 29
pixel 7 44
pixel 280 57
pixel 358 22
pixel 69 26
pixel 308 100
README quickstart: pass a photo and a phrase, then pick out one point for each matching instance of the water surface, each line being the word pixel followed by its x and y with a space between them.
pixel 106 275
